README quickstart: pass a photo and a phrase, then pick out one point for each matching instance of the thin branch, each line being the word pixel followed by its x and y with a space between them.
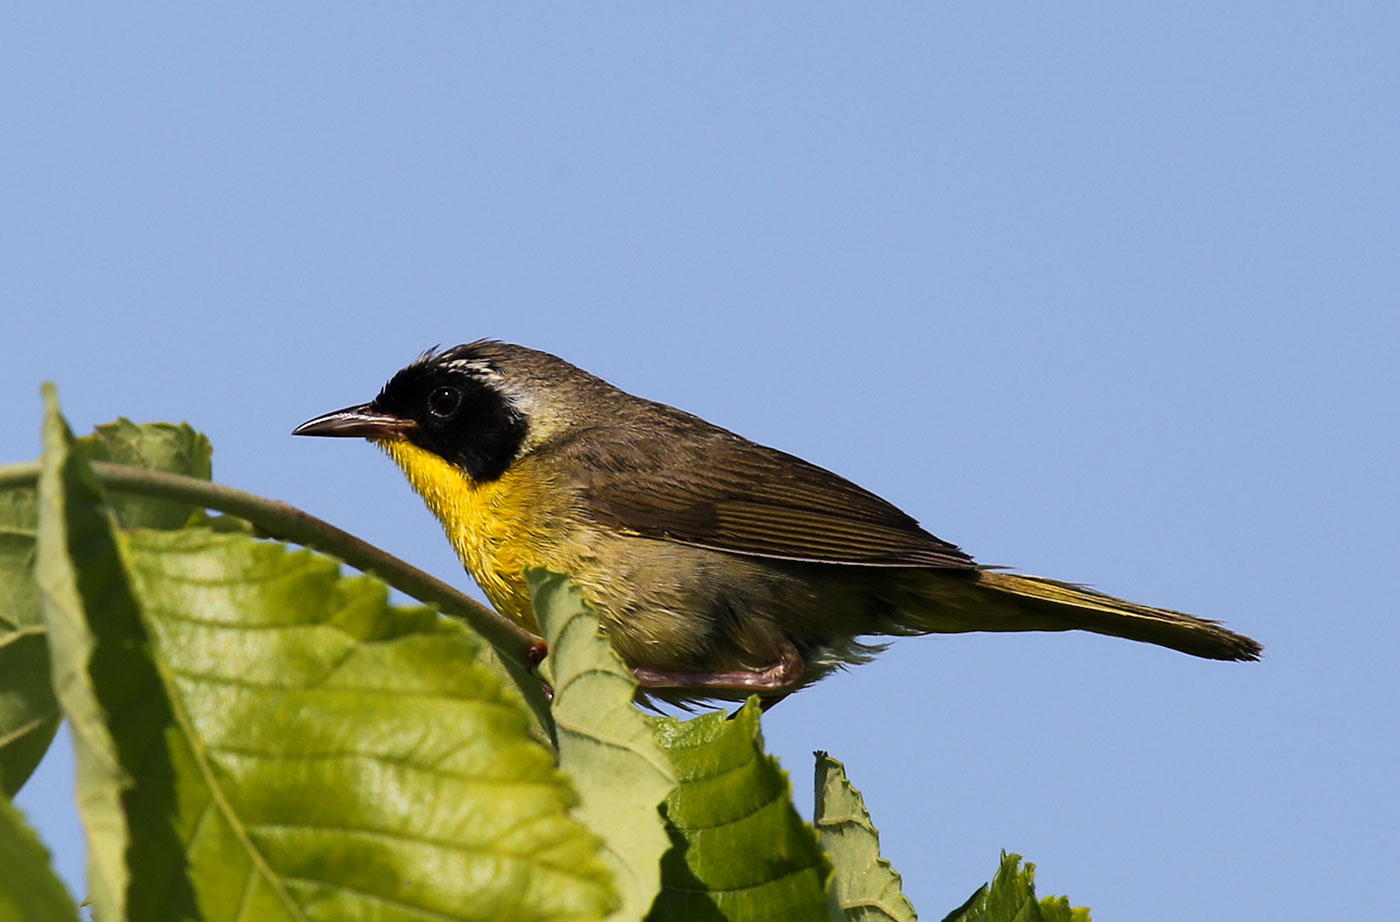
pixel 286 521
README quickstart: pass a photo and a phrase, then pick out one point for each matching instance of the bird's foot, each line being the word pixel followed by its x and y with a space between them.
pixel 773 683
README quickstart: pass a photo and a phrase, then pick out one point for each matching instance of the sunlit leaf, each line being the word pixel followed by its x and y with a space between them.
pixel 1011 898
pixel 741 852
pixel 335 757
pixel 605 744
pixel 260 738
pixel 866 887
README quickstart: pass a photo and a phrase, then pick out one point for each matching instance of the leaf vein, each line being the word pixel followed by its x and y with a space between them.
pixel 218 795
pixel 380 691
pixel 20 633
pixel 763 883
pixel 627 747
pixel 526 858
pixel 421 911
pixel 24 729
pixel 776 798
pixel 403 761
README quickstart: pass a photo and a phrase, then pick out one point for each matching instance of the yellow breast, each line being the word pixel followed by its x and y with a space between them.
pixel 498 528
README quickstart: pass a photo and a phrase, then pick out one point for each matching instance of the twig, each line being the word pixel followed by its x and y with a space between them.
pixel 286 521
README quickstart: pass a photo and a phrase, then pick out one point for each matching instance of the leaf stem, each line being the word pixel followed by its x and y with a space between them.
pixel 286 521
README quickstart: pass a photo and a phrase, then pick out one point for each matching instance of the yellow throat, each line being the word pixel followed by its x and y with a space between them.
pixel 496 527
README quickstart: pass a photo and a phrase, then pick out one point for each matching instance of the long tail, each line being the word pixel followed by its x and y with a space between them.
pixel 997 601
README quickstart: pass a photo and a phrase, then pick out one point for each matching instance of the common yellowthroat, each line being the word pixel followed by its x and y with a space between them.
pixel 721 568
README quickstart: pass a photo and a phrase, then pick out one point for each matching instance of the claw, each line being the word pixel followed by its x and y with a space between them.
pixel 536 654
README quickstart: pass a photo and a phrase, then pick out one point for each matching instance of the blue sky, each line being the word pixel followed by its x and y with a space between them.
pixel 1106 292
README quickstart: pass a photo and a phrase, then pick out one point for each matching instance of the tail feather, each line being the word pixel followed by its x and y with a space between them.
pixel 999 601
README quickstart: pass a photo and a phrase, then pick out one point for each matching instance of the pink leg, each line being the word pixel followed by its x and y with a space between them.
pixel 783 676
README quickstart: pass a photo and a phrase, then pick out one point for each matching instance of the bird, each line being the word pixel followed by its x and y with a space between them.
pixel 720 568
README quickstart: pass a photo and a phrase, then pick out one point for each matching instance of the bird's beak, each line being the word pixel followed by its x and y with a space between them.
pixel 363 421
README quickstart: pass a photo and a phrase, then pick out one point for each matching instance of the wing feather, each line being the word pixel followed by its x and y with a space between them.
pixel 711 488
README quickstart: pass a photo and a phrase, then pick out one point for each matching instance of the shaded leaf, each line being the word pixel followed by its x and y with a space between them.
pixel 1011 898
pixel 605 744
pixel 741 852
pixel 154 446
pixel 29 889
pixel 29 713
pixel 865 885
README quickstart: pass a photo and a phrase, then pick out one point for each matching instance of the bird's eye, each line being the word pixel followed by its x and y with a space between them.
pixel 444 401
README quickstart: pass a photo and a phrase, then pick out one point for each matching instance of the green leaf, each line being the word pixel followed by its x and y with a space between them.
pixel 741 852
pixel 865 885
pixel 334 757
pixel 29 889
pixel 605 744
pixel 29 714
pixel 1011 898
pixel 259 738
pixel 155 446
pixel 1058 909
pixel 98 671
